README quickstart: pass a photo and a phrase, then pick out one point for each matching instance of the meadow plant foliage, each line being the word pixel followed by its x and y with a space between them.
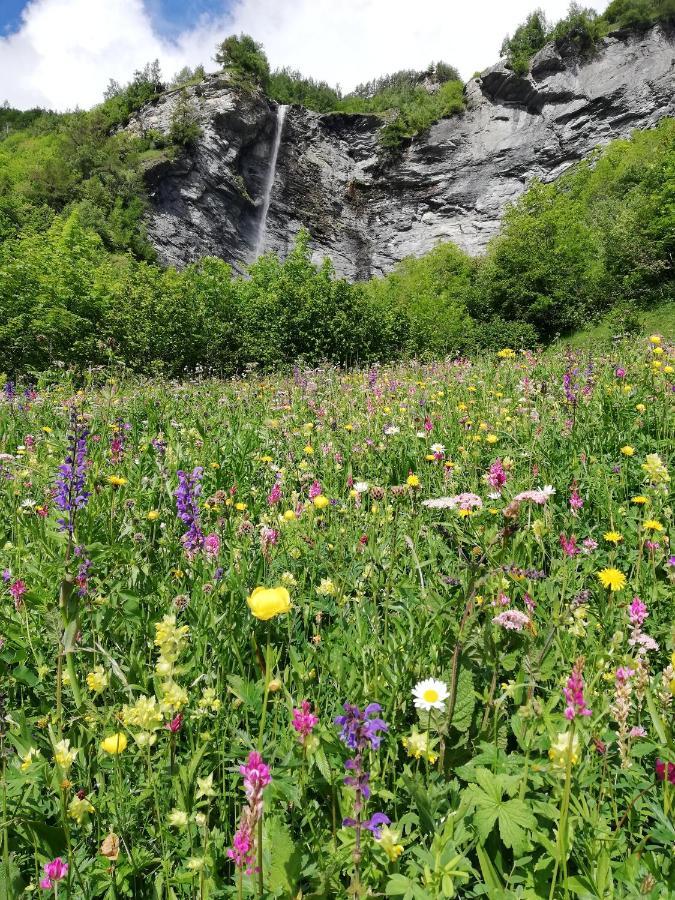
pixel 400 632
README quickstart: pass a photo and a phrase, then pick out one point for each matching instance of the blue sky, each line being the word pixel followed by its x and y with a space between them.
pixel 170 17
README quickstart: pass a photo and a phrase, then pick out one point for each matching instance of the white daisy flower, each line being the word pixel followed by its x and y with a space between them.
pixel 430 694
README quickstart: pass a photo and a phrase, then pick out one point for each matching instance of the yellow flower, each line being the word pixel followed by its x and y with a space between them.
pixel 144 714
pixel 388 840
pixel 506 353
pixel 177 818
pixel 115 743
pixel 170 638
pixel 655 469
pixel 116 480
pixel 492 438
pixel 652 525
pixel 419 747
pixel 63 755
pixel 321 501
pixel 640 500
pixel 240 507
pixel 153 515
pixel 654 339
pixel 613 537
pixel 309 450
pixel 28 758
pixel 560 751
pixel 266 603
pixel 78 809
pixel 612 579
pixel 97 680
pixel 628 450
pixel 289 515
pixel 413 481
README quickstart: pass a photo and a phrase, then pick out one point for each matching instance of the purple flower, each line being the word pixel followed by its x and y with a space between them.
pixel 69 493
pixel 360 729
pixel 186 495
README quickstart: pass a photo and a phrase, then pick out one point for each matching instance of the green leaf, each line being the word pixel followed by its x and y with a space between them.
pixel 284 868
pixel 465 702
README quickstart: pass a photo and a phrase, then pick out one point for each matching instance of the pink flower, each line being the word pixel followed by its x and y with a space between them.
pixel 590 545
pixel 314 489
pixel 569 545
pixel 576 501
pixel 512 620
pixel 304 720
pixel 663 768
pixel 212 545
pixel 623 673
pixel 496 476
pixel 174 725
pixel 17 589
pixel 574 692
pixel 55 871
pixel 256 773
pixel 274 495
pixel 638 731
pixel 637 611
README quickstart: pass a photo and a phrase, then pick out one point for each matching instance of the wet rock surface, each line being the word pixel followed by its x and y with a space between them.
pixel 451 183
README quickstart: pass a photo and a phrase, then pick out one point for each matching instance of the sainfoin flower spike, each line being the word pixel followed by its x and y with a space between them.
pixel 574 692
pixel 55 871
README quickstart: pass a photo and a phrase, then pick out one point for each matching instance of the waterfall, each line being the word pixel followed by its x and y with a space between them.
pixel 269 180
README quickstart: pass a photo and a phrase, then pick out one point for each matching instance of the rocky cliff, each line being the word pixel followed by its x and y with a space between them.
pixel 451 183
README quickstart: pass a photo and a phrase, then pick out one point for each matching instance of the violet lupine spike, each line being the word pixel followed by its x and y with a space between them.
pixel 70 494
pixel 359 729
pixel 186 494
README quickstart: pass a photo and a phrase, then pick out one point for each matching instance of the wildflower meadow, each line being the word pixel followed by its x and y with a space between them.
pixel 400 632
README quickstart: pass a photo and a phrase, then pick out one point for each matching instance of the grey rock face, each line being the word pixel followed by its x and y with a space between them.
pixel 451 183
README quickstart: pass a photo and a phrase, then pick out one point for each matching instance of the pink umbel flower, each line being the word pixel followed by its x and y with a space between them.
pixel 256 778
pixel 574 692
pixel 304 720
pixel 512 620
pixel 55 871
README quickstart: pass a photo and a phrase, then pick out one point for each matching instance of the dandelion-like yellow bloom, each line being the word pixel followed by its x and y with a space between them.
pixel 640 500
pixel 116 480
pixel 612 579
pixel 652 525
pixel 613 537
pixel 492 438
pixel 412 481
pixel 506 353
pixel 240 507
pixel 321 501
pixel 115 743
pixel 266 603
pixel 627 450
pixel 153 515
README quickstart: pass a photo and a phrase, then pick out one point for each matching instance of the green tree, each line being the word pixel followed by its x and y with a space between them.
pixel 527 39
pixel 244 57
pixel 184 129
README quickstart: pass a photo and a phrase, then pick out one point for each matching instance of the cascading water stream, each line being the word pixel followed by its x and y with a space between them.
pixel 269 180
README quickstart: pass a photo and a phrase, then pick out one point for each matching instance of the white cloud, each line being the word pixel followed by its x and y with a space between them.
pixel 66 50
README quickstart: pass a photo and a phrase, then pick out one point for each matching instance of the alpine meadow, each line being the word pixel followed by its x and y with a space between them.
pixel 336 459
